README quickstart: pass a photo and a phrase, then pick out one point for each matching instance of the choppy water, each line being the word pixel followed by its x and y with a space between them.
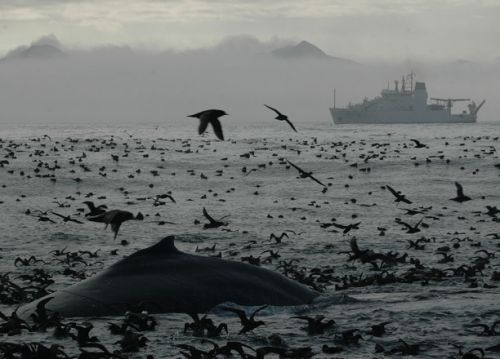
pixel 272 199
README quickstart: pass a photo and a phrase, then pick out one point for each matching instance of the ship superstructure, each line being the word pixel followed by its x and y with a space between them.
pixel 405 104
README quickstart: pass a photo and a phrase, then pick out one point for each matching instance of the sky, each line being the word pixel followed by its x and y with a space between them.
pixel 363 30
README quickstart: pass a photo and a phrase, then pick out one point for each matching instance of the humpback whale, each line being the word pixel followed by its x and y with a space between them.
pixel 163 279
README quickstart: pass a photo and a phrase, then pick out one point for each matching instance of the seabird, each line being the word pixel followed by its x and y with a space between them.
pixel 248 324
pixel 460 194
pixel 281 117
pixel 212 117
pixel 115 217
pixel 399 196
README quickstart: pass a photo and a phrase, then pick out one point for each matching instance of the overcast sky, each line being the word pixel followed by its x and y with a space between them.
pixel 440 30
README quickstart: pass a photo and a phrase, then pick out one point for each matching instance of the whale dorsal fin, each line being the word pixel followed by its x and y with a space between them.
pixel 165 246
pixel 163 249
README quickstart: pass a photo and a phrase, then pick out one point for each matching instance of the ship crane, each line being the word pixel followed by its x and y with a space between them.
pixel 449 101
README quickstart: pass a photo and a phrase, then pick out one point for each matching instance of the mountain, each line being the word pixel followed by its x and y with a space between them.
pixel 47 47
pixel 306 50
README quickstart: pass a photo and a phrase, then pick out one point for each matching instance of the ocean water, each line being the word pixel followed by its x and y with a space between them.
pixel 355 163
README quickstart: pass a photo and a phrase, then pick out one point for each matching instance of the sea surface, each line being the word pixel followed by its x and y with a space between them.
pixel 247 180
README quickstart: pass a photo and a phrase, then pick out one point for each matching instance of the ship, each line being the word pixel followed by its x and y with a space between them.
pixel 405 104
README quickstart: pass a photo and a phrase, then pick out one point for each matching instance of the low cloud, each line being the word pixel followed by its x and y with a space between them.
pixel 118 85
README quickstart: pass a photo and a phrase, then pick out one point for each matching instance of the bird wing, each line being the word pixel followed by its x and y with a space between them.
pixel 171 198
pixel 404 224
pixel 115 227
pixel 460 189
pixel 296 167
pixel 239 312
pixel 90 205
pixel 258 310
pixel 217 128
pixel 317 180
pixel 273 109
pixel 207 216
pixel 75 220
pixel 101 217
pixel 198 115
pixel 58 215
pixel 339 225
pixel 291 124
pixel 392 190
pixel 203 124
pixel 354 245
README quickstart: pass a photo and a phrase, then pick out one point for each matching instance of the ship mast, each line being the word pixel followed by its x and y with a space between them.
pixel 407 83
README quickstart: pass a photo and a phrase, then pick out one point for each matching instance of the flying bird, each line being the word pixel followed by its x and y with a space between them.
pixel 66 218
pixel 115 217
pixel 212 117
pixel 304 174
pixel 281 117
pixel 399 196
pixel 347 228
pixel 409 227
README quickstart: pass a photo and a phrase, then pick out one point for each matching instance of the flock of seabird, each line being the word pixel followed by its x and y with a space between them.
pixel 136 323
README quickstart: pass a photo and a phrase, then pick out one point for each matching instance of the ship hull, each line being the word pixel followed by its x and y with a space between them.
pixel 346 116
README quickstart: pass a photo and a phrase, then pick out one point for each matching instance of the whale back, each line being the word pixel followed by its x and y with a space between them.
pixel 162 279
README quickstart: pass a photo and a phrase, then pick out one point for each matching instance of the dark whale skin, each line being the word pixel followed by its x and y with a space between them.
pixel 164 280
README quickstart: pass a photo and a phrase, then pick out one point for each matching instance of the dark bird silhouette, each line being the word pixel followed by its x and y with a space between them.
pixel 377 330
pixel 212 117
pixel 212 222
pixel 304 174
pixel 158 197
pixel 115 217
pixel 399 196
pixel 279 238
pixel 410 228
pixel 418 144
pixel 66 218
pixel 492 211
pixel 41 316
pixel 460 194
pixel 45 219
pixel 347 228
pixel 281 117
pixel 95 210
pixel 316 325
pixel 248 324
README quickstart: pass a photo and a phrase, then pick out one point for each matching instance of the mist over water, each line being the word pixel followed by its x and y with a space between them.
pixel 120 85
